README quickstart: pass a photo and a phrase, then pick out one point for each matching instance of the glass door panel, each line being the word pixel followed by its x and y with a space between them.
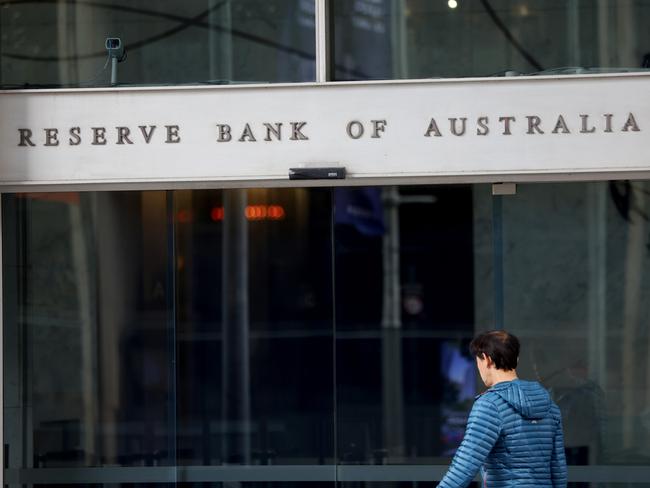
pixel 184 335
pixel 255 333
pixel 577 291
pixel 190 337
pixel 413 284
pixel 88 316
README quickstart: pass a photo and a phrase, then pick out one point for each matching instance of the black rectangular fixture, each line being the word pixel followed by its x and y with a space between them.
pixel 334 173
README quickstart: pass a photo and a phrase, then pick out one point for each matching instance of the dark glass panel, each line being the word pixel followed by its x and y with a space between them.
pixel 87 364
pixel 60 44
pixel 255 330
pixel 405 307
pixel 577 292
pixel 384 39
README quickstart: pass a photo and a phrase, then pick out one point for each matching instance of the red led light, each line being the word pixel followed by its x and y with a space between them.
pixel 216 214
pixel 256 212
pixel 276 212
pixel 252 212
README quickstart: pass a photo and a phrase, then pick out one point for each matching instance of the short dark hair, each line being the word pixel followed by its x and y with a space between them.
pixel 499 345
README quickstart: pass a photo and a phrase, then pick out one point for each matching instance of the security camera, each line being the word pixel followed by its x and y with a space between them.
pixel 113 43
pixel 115 48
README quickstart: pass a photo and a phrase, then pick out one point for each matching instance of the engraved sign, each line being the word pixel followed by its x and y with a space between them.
pixel 459 130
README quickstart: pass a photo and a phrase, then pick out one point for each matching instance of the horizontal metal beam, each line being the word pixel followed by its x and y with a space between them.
pixel 303 473
pixel 199 474
pixel 391 473
pixel 246 86
pixel 75 476
pixel 350 182
pixel 602 474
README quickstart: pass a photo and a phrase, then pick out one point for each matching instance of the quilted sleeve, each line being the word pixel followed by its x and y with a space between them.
pixel 558 459
pixel 482 432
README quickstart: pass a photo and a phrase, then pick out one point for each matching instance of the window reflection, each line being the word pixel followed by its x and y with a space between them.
pixel 255 327
pixel 384 39
pixel 87 364
pixel 576 292
pixel 197 329
pixel 404 297
pixel 129 357
pixel 62 44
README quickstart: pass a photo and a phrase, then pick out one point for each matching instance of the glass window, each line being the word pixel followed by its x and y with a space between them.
pixel 88 313
pixel 420 270
pixel 178 332
pixel 405 306
pixel 383 39
pixel 577 291
pixel 309 335
pixel 254 333
pixel 61 44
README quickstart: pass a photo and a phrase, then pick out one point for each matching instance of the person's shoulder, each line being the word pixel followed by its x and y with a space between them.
pixel 485 409
pixel 487 401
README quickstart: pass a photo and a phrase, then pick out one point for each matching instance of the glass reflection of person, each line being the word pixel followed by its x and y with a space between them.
pixel 514 431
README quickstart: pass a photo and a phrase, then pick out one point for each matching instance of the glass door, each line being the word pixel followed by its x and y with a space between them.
pixel 315 336
pixel 409 295
pixel 576 264
pixel 255 337
pixel 89 380
pixel 163 338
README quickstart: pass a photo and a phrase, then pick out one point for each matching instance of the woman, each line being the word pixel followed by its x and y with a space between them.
pixel 514 431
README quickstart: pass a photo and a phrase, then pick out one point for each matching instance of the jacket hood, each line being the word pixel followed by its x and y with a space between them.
pixel 528 398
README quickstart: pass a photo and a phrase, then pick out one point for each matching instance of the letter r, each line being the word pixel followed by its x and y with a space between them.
pixel 25 137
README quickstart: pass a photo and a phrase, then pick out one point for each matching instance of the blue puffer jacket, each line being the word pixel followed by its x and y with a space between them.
pixel 514 435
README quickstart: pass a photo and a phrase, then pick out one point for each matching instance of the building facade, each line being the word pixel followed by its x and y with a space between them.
pixel 250 244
